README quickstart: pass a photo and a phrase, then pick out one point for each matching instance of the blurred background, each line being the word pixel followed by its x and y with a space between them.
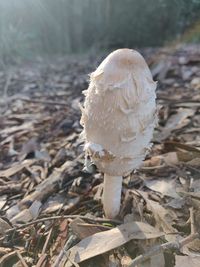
pixel 31 28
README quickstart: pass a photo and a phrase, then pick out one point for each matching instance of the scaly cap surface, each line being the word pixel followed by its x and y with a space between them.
pixel 119 112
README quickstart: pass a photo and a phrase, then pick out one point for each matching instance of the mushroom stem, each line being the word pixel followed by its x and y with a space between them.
pixel 112 195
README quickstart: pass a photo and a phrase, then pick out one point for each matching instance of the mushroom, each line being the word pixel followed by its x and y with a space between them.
pixel 118 117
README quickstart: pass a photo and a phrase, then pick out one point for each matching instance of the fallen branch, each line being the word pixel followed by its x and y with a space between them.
pixel 58 217
pixel 174 245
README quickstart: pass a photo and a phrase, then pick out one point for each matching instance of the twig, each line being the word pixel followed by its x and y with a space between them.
pixel 67 246
pixel 47 241
pixel 54 103
pixel 6 257
pixel 192 222
pixel 72 262
pixel 93 225
pixel 100 220
pixel 175 245
pixel 153 167
pixel 42 261
pixel 21 259
pixel 177 101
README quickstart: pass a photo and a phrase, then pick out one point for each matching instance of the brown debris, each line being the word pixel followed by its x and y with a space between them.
pixel 47 202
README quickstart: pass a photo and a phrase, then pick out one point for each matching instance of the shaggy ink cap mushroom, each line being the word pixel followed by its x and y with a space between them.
pixel 118 116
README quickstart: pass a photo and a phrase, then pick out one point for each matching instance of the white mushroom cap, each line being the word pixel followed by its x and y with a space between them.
pixel 119 113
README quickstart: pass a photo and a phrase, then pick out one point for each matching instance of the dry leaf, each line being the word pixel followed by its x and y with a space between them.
pixel 163 186
pixel 83 230
pixel 29 147
pixel 4 251
pixel 102 242
pixel 175 122
pixel 16 168
pixel 27 215
pixel 11 130
pixel 4 226
pixel 164 218
pixel 12 211
pixel 187 261
pixel 61 238
pixel 154 261
pixel 2 202
pixel 169 158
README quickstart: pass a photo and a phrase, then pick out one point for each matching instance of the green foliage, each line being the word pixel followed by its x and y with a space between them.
pixel 45 27
pixel 192 35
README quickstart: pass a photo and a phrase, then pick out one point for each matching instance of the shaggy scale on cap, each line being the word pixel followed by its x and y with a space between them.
pixel 119 113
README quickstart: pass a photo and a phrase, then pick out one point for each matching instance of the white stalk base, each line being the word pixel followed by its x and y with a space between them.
pixel 112 195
